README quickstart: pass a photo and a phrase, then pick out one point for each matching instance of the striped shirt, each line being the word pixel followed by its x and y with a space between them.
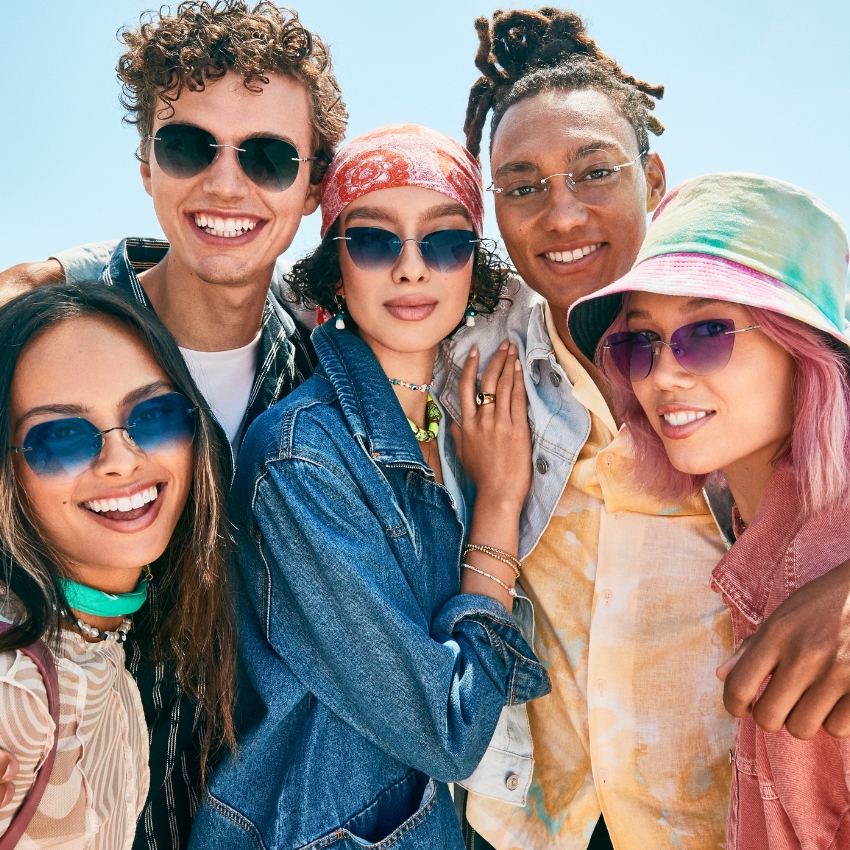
pixel 99 781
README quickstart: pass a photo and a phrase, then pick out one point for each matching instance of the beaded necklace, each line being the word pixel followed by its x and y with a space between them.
pixel 422 388
pixel 432 423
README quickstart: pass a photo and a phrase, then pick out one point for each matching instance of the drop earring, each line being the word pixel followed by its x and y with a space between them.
pixel 471 312
pixel 340 313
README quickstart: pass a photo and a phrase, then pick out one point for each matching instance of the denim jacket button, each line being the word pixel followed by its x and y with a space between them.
pixel 542 465
pixel 512 782
pixel 555 378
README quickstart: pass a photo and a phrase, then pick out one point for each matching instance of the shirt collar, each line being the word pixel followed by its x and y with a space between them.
pixel 584 388
pixel 368 403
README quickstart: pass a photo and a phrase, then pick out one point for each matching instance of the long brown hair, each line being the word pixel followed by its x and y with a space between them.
pixel 195 630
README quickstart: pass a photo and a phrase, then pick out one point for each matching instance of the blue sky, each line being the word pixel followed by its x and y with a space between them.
pixel 752 85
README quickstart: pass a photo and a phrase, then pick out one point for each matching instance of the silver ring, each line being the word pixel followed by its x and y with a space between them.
pixel 485 398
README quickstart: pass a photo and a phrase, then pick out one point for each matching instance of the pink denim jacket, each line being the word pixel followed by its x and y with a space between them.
pixel 786 793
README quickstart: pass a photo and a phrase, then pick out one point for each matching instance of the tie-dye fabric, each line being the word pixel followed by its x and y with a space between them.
pixel 403 155
pixel 735 237
pixel 631 728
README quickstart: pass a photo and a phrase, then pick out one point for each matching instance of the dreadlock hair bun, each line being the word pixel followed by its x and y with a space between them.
pixel 522 53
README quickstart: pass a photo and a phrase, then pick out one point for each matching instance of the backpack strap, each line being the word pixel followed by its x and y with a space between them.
pixel 43 660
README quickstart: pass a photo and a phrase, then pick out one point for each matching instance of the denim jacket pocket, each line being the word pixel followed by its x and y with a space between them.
pixel 424 829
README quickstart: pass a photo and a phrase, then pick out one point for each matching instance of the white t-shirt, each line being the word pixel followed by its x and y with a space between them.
pixel 225 379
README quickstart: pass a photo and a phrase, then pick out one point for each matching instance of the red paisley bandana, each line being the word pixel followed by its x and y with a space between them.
pixel 403 155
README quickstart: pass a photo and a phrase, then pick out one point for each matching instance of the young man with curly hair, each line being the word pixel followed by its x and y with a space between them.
pixel 238 114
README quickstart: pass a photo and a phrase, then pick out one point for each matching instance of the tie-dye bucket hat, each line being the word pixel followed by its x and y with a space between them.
pixel 734 237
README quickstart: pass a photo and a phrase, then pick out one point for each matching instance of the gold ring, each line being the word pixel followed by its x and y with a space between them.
pixel 485 398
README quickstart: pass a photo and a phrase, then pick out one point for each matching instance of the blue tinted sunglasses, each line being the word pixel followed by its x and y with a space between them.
pixel 70 446
pixel 373 248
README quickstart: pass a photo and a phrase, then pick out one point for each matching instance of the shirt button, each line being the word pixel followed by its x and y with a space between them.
pixel 603 775
pixel 600 687
pixel 512 782
pixel 555 378
pixel 607 596
pixel 609 458
pixel 542 465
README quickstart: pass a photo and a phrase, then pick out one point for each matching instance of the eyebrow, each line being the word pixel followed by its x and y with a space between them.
pixel 132 398
pixel 374 213
pixel 527 167
pixel 259 134
pixel 690 306
pixel 443 211
pixel 389 217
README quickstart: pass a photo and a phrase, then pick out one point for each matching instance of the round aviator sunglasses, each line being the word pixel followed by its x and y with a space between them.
pixel 700 348
pixel 70 446
pixel 373 248
pixel 183 150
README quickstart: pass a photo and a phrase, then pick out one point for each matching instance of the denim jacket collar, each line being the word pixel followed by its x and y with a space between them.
pixel 368 403
pixel 285 358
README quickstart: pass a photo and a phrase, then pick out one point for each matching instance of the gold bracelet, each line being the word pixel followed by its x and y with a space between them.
pixel 496 554
pixel 511 591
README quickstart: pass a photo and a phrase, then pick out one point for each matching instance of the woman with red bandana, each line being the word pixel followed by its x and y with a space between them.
pixel 376 637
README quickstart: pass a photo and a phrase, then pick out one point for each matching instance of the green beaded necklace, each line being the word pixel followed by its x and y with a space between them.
pixel 432 423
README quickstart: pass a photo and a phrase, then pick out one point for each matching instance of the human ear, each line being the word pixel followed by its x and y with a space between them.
pixel 145 171
pixel 656 181
pixel 312 198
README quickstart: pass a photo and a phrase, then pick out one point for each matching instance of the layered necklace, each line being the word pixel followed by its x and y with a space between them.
pixel 432 412
pixel 99 604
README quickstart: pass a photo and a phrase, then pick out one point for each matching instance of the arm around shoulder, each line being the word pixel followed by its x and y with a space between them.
pixel 26 276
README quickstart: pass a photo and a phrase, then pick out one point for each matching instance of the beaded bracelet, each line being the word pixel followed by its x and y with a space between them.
pixel 496 554
pixel 510 590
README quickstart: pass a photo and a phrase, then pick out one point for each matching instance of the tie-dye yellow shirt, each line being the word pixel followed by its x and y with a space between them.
pixel 631 634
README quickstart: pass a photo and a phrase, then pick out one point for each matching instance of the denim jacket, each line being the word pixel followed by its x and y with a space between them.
pixel 371 682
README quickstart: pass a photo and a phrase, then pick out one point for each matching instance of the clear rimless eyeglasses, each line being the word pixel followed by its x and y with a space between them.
pixel 593 178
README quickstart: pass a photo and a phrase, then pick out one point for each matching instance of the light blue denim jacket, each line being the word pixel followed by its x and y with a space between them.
pixel 370 681
pixel 559 423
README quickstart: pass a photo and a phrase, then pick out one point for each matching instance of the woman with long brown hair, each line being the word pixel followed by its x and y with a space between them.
pixel 111 503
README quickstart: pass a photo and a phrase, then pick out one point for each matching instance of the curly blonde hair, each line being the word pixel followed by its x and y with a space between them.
pixel 203 41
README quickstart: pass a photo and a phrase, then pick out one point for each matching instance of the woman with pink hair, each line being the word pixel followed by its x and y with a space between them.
pixel 743 279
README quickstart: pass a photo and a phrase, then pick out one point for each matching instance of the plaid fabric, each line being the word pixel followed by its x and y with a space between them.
pixel 175 723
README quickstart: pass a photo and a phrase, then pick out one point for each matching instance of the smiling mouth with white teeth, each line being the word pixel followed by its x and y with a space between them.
pixel 125 503
pixel 572 256
pixel 684 417
pixel 226 227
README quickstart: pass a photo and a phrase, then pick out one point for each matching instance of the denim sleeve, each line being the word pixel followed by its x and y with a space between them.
pixel 86 262
pixel 342 614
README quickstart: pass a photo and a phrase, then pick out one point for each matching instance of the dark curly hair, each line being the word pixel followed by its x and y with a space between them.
pixel 523 53
pixel 203 41
pixel 314 280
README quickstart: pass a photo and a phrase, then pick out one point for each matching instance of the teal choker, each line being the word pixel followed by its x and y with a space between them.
pixel 87 600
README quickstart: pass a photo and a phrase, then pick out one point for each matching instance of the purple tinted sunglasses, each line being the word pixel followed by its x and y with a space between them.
pixel 701 348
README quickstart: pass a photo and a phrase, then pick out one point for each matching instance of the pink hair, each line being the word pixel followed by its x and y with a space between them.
pixel 819 447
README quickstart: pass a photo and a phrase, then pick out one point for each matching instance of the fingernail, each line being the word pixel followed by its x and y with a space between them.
pixel 503 346
pixel 473 352
pixel 512 349
pixel 517 366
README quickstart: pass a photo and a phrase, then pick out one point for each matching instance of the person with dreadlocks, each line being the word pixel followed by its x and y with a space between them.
pixel 628 626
